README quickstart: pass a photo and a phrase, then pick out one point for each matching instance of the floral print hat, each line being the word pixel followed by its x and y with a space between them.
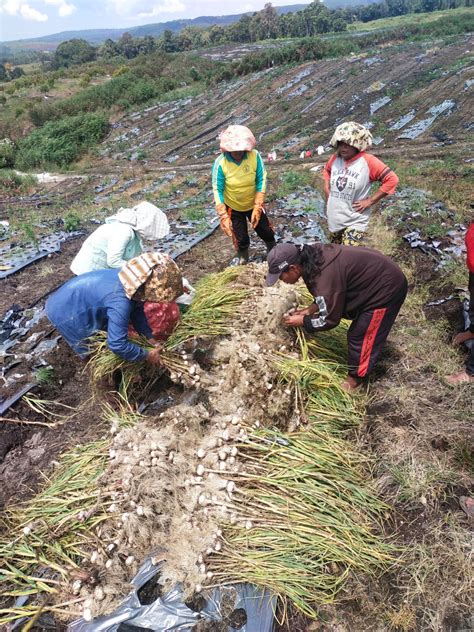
pixel 152 277
pixel 353 134
pixel 237 138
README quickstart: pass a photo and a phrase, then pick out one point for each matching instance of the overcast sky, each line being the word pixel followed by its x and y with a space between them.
pixel 21 19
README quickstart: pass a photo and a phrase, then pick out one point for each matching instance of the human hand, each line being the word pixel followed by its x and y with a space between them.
pixel 462 337
pixel 255 217
pixel 153 356
pixel 224 218
pixel 294 320
pixel 226 226
pixel 361 205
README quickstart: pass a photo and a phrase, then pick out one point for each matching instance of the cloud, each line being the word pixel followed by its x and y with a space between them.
pixel 145 8
pixel 64 8
pixel 23 9
pixel 168 6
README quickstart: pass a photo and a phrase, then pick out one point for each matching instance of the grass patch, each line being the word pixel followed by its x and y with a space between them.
pixel 291 181
pixel 45 375
pixel 408 19
pixel 11 181
pixel 194 213
pixel 61 142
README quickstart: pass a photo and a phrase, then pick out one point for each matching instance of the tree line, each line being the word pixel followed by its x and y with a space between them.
pixel 314 19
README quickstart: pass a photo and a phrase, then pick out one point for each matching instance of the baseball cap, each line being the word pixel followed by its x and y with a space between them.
pixel 279 259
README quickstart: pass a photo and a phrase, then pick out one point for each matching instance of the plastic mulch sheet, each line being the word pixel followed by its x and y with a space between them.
pixel 239 607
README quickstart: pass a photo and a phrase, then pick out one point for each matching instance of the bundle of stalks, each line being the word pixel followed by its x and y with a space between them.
pixel 44 540
pixel 212 313
pixel 104 365
pixel 228 496
pixel 317 374
pixel 309 516
pixel 214 309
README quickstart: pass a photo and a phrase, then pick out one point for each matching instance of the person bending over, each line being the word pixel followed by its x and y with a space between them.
pixel 108 300
pixel 356 283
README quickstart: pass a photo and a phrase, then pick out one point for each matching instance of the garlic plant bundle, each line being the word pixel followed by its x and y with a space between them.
pixel 218 487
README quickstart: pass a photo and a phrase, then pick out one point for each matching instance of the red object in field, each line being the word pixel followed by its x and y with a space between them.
pixel 162 318
pixel 309 153
pixel 470 247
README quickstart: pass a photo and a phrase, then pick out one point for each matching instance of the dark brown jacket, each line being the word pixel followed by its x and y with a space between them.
pixel 352 280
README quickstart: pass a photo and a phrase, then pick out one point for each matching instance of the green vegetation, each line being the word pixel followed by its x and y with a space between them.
pixel 60 143
pixel 11 181
pixel 408 19
pixel 45 375
pixel 7 153
pixel 194 213
pixel 71 221
pixel 311 48
pixel 291 181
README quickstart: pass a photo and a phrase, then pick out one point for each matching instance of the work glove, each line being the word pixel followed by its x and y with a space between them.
pixel 257 209
pixel 225 221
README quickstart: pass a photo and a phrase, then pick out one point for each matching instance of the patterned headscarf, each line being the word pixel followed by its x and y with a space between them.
pixel 353 134
pixel 237 138
pixel 153 277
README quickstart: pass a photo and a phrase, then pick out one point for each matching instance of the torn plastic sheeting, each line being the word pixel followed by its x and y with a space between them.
pixel 370 61
pixel 421 126
pixel 402 121
pixel 298 91
pixel 376 105
pixel 5 404
pixel 169 613
pixel 301 75
pixel 188 241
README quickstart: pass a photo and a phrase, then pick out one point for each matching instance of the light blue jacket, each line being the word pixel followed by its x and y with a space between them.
pixel 109 246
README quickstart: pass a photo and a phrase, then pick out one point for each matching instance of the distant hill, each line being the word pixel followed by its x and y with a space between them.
pixel 344 4
pixel 98 36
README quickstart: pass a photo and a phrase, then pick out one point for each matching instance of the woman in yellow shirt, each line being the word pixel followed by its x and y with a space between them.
pixel 239 182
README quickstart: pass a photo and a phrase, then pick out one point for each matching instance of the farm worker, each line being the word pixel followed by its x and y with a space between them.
pixel 359 284
pixel 108 300
pixel 468 374
pixel 348 177
pixel 120 238
pixel 239 182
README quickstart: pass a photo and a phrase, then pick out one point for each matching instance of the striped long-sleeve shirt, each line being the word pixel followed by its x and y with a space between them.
pixel 236 183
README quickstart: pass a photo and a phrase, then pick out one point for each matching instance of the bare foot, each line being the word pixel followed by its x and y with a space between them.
pixel 350 384
pixel 460 378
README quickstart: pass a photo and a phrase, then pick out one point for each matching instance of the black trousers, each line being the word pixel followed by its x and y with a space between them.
pixel 368 332
pixel 239 226
pixel 470 358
